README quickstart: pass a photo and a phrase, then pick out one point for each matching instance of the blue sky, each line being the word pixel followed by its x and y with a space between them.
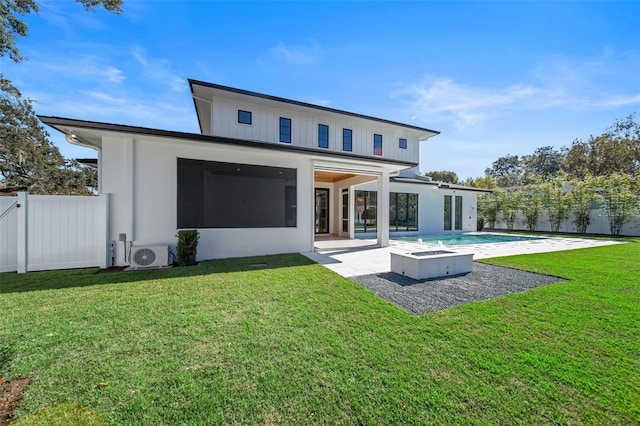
pixel 495 78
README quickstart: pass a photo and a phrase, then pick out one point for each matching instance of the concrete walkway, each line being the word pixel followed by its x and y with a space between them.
pixel 351 258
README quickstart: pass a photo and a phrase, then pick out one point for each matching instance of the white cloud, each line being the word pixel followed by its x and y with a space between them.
pixel 161 112
pixel 605 82
pixel 89 67
pixel 113 74
pixel 158 69
pixel 295 54
pixel 442 99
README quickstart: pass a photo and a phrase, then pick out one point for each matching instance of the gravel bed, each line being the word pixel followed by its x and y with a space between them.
pixel 421 296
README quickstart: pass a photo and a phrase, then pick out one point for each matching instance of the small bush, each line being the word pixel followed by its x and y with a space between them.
pixel 187 247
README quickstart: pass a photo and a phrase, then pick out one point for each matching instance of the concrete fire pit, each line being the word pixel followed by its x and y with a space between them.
pixel 435 263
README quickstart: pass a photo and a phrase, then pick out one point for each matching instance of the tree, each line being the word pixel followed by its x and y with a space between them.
pixel 617 150
pixel 485 182
pixel 582 196
pixel 507 171
pixel 488 209
pixel 627 132
pixel 531 198
pixel 28 161
pixel 544 163
pixel 618 194
pixel 12 25
pixel 557 201
pixel 443 176
pixel 509 204
pixel 576 161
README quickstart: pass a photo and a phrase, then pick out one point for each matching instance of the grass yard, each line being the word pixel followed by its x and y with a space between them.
pixel 292 342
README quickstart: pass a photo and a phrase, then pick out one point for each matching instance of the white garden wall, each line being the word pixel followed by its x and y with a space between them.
pixel 599 224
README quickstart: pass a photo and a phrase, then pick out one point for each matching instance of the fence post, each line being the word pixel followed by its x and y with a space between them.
pixel 103 236
pixel 22 232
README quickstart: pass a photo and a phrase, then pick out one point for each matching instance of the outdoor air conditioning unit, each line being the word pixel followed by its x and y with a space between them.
pixel 149 256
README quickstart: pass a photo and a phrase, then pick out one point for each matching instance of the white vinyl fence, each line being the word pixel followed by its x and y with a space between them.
pixel 44 232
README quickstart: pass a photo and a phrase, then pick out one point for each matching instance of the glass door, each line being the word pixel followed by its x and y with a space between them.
pixel 345 211
pixel 322 210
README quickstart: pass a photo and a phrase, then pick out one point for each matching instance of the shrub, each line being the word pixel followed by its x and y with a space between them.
pixel 187 247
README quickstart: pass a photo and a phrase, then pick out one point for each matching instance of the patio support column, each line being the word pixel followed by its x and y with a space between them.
pixel 383 209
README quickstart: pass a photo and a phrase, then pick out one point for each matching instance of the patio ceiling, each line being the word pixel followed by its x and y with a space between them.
pixel 331 177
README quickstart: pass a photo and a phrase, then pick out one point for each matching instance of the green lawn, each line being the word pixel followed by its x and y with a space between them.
pixel 292 342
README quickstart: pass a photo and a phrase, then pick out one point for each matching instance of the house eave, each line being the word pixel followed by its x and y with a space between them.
pixel 438 185
pixel 66 126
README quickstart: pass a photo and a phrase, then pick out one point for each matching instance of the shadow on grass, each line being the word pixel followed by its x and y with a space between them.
pixel 11 282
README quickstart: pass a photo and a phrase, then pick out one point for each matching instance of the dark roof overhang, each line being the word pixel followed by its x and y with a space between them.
pixel 62 124
pixel 418 180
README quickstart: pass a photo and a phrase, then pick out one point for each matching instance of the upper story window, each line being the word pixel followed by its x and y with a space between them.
pixel 402 143
pixel 347 144
pixel 244 117
pixel 323 136
pixel 285 130
pixel 377 144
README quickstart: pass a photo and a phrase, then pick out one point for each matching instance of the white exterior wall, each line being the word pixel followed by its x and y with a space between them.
pixel 265 127
pixel 431 207
pixel 141 175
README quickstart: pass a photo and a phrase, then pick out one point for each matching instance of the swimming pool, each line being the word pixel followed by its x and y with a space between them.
pixel 464 239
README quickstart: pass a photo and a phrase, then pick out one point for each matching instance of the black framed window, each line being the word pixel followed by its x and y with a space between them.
pixel 285 130
pixel 213 194
pixel 244 117
pixel 377 144
pixel 447 212
pixel 323 136
pixel 458 214
pixel 403 212
pixel 402 143
pixel 347 139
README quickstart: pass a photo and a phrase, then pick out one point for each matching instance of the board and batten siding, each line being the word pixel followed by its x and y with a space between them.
pixel 265 127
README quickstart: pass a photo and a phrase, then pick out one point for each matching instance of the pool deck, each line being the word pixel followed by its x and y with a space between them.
pixel 351 258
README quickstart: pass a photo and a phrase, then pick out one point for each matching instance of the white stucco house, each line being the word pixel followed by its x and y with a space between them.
pixel 266 175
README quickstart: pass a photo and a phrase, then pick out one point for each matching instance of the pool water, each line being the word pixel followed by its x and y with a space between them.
pixel 463 239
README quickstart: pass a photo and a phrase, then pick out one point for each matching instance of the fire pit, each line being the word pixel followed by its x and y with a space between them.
pixel 422 265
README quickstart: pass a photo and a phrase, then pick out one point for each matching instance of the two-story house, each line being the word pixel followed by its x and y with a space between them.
pixel 264 176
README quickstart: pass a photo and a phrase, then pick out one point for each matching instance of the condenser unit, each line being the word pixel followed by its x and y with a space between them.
pixel 149 256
